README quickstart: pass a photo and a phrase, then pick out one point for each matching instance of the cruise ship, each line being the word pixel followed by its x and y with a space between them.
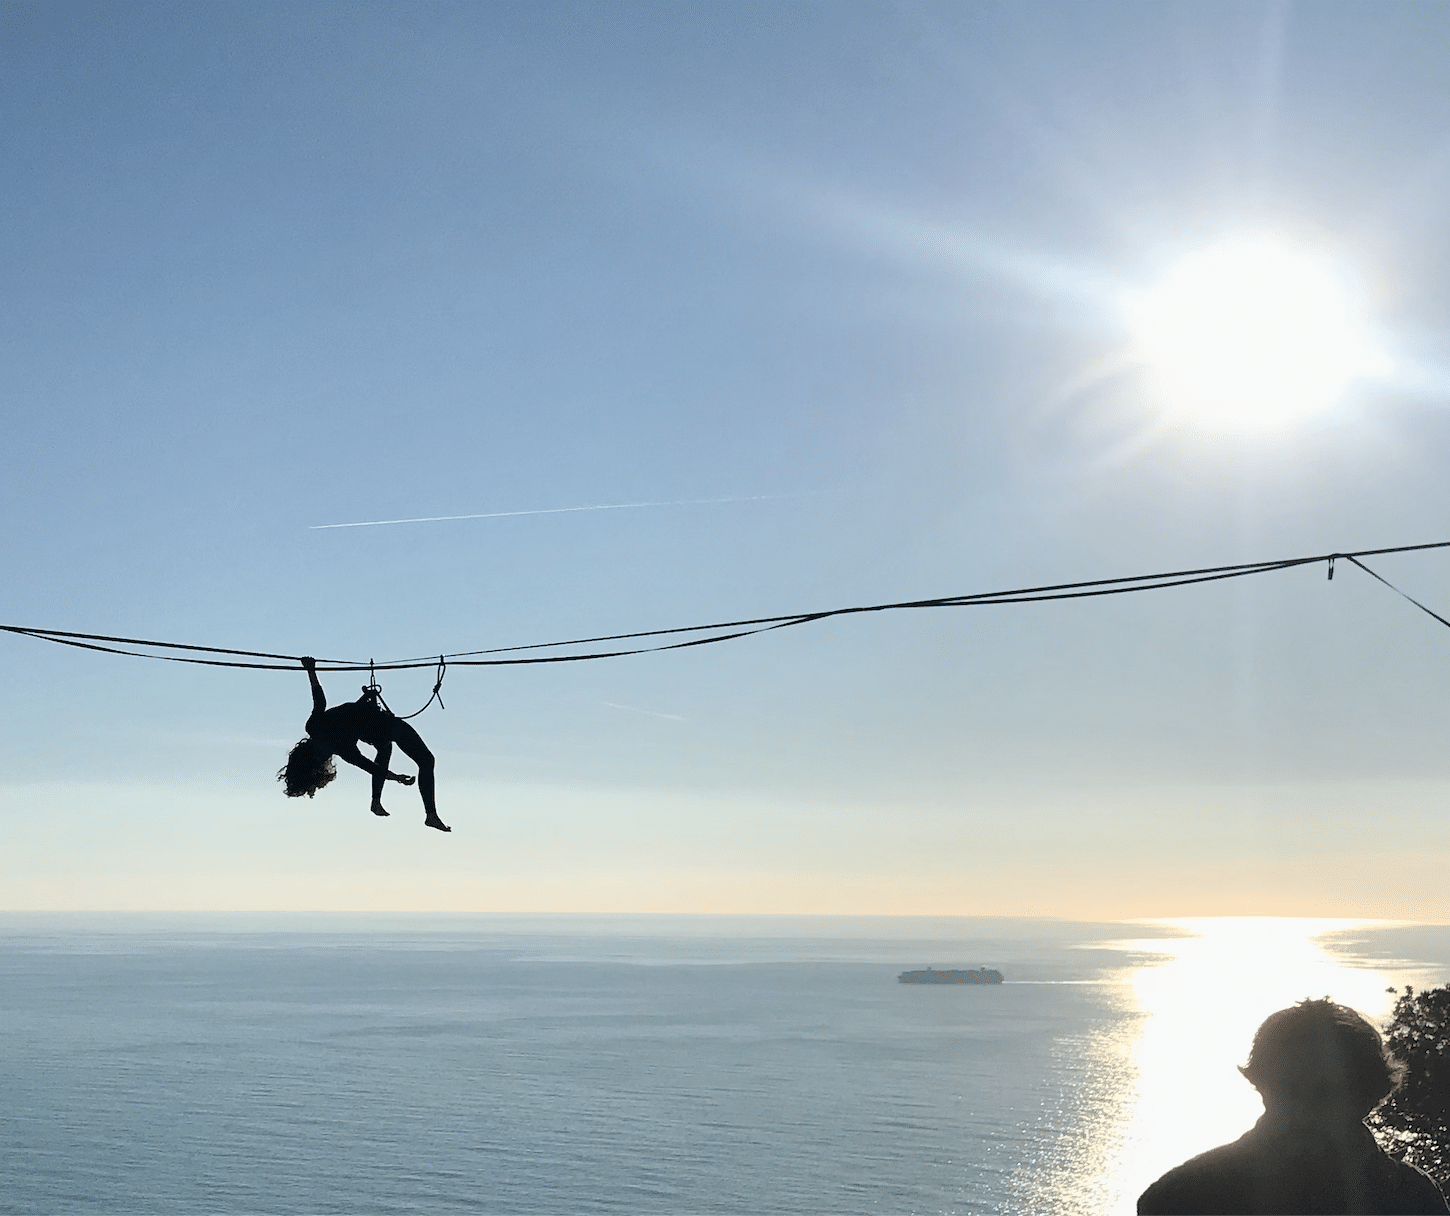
pixel 982 975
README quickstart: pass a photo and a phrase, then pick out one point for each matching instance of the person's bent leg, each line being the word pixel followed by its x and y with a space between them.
pixel 380 775
pixel 411 744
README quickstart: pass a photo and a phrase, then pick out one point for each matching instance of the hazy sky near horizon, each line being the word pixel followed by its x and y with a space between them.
pixel 842 283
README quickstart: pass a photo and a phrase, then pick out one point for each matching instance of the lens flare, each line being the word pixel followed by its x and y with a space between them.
pixel 1251 333
pixel 1202 1004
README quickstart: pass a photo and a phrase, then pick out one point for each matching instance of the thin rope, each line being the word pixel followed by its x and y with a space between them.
pixel 732 629
pixel 1351 557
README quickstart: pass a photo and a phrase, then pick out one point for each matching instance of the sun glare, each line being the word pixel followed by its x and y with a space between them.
pixel 1202 1003
pixel 1251 333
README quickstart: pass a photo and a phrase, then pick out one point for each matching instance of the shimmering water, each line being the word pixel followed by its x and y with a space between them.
pixel 368 1064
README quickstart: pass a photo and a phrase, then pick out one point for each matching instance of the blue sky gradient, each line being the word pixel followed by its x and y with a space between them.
pixel 853 265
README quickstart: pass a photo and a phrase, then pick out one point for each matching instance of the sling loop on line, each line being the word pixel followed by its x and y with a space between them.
pixel 375 690
pixel 436 694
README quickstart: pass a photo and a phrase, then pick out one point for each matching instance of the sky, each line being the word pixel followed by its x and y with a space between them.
pixel 841 288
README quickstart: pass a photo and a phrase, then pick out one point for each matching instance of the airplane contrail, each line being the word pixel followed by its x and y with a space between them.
pixel 635 709
pixel 608 506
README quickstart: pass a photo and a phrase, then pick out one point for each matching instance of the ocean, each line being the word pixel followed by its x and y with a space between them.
pixel 401 1064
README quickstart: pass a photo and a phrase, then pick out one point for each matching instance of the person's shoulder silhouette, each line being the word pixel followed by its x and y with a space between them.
pixel 1320 1069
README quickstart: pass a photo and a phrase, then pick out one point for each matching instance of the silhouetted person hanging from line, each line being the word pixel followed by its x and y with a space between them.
pixel 1320 1068
pixel 338 731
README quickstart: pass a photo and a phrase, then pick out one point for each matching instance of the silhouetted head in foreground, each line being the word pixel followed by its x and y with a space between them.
pixel 1318 1061
pixel 309 767
pixel 1320 1068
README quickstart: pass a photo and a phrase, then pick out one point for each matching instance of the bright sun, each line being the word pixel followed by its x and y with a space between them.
pixel 1251 333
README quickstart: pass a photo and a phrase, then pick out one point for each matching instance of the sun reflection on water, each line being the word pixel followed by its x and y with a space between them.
pixel 1202 999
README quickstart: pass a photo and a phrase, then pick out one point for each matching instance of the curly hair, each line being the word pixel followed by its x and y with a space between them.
pixel 1321 1054
pixel 309 767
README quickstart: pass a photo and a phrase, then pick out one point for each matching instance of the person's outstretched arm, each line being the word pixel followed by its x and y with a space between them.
pixel 319 698
pixel 350 753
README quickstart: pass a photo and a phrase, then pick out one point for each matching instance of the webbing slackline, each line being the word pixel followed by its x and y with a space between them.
pixel 720 631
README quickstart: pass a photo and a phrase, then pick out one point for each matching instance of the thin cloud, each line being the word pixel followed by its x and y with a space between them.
pixel 609 506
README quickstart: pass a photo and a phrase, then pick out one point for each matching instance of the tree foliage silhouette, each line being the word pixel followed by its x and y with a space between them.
pixel 1413 1123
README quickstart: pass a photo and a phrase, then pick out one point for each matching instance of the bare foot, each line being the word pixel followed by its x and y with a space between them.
pixel 434 822
pixel 377 809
